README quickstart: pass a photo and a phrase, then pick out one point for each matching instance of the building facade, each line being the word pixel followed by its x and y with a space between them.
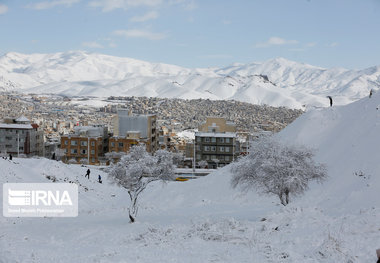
pixel 217 149
pixel 216 142
pixel 140 128
pixel 20 136
pixel 88 144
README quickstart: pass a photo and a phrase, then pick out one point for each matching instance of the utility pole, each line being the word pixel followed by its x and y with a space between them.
pixel 194 155
pixel 88 150
pixel 18 145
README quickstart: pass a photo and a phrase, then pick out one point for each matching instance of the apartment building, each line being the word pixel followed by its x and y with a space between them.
pixel 20 136
pixel 216 142
pixel 87 144
pixel 132 129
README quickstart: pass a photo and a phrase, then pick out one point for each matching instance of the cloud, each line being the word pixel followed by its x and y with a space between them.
pixel 3 9
pixel 109 5
pixel 276 41
pixel 92 45
pixel 51 4
pixel 148 16
pixel 137 33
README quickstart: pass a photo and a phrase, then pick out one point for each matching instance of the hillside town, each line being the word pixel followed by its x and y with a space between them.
pixel 203 133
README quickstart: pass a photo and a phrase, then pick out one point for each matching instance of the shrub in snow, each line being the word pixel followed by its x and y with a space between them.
pixel 202 164
pixel 72 161
pixel 84 161
pixel 137 169
pixel 276 168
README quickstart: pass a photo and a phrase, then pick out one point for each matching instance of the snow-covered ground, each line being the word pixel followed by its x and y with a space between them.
pixel 204 220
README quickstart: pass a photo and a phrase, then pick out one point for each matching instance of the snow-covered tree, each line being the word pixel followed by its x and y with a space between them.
pixel 276 168
pixel 114 156
pixel 137 169
pixel 202 164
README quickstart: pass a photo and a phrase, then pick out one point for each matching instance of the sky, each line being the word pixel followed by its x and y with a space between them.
pixel 199 33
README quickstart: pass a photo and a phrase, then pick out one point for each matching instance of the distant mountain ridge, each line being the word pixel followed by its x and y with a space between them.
pixel 276 82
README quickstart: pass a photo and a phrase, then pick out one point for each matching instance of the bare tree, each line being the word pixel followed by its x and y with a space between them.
pixel 276 168
pixel 137 169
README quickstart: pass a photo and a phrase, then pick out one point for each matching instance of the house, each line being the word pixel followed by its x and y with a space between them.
pixel 20 136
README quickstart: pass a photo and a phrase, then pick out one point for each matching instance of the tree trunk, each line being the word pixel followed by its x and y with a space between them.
pixel 283 202
pixel 133 208
pixel 287 196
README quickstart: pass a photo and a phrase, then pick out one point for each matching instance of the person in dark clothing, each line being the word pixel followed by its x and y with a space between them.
pixel 99 179
pixel 10 157
pixel 331 101
pixel 88 174
pixel 53 156
pixel 370 93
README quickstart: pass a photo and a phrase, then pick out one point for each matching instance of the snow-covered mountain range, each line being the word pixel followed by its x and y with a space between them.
pixel 276 82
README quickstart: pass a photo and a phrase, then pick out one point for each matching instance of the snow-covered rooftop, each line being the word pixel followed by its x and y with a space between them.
pixel 216 134
pixel 22 119
pixel 15 126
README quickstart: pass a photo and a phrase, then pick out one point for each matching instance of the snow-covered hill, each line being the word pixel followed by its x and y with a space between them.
pixel 277 82
pixel 204 220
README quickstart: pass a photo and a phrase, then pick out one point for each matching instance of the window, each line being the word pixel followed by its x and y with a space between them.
pixel 198 156
pixel 199 139
pixel 213 157
pixel 83 143
pixel 213 148
pixel 221 148
pixel 227 140
pixel 198 147
pixel 207 157
pixel 66 142
pixel 9 138
pixel 207 139
pixel 227 158
pixel 92 151
pixel 206 148
pixel 65 150
pixel 221 140
pixel 213 139
pixel 227 149
pixel 92 143
pixel 74 151
pixel 112 144
pixel 83 151
pixel 73 143
pixel 121 144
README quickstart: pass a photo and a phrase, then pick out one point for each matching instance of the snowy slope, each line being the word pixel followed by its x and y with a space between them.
pixel 277 82
pixel 348 141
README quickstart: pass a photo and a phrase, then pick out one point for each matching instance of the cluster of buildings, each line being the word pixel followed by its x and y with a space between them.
pixel 215 143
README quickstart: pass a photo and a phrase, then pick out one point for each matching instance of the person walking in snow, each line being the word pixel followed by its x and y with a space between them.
pixel 331 101
pixel 10 157
pixel 99 179
pixel 370 93
pixel 88 174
